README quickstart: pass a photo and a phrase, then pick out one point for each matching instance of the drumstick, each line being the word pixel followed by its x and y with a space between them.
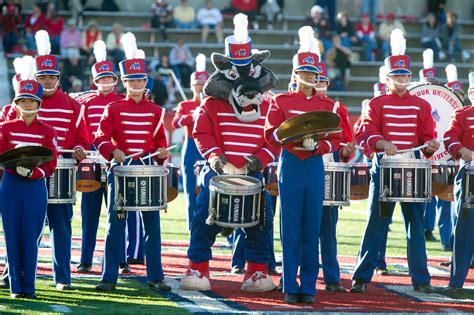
pixel 247 158
pixel 420 147
pixel 74 151
pixel 132 155
pixel 158 152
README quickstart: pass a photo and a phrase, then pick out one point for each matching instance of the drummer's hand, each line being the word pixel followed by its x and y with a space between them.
pixel 433 146
pixel 387 147
pixel 119 156
pixel 163 153
pixel 465 154
pixel 217 163
pixel 23 171
pixel 255 165
pixel 79 154
pixel 310 144
pixel 349 150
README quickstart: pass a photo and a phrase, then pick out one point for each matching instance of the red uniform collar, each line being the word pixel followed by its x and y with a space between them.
pixel 143 101
pixel 394 95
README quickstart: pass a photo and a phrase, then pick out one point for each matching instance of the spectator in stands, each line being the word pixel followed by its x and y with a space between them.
pixel 55 25
pixel 110 6
pixel 210 18
pixel 371 7
pixel 450 35
pixel 182 60
pixel 77 9
pixel 331 7
pixel 34 22
pixel 437 7
pixel 71 39
pixel 248 7
pixel 385 29
pixel 162 17
pixel 345 29
pixel 271 10
pixel 365 32
pixel 319 24
pixel 162 74
pixel 76 86
pixel 114 45
pixel 72 70
pixel 184 16
pixel 9 21
pixel 338 60
pixel 89 36
pixel 430 35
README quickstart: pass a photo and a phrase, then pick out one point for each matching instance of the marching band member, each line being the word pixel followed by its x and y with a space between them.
pixel 128 126
pixel 104 77
pixel 461 146
pixel 453 82
pixel 24 213
pixel 429 74
pixel 397 120
pixel 232 142
pixel 66 117
pixel 186 114
pixel 301 176
pixel 330 215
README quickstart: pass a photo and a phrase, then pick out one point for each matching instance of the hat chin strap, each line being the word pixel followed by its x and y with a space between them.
pixel 28 112
pixel 306 82
pixel 402 84
pixel 53 89
pixel 100 85
pixel 137 90
pixel 320 89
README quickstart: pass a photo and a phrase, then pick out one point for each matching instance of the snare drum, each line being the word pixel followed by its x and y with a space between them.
pixel 173 178
pixel 451 169
pixel 89 176
pixel 360 181
pixel 62 184
pixel 337 184
pixel 271 178
pixel 140 187
pixel 468 187
pixel 405 180
pixel 235 200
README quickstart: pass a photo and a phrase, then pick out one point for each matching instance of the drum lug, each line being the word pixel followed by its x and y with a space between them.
pixel 211 219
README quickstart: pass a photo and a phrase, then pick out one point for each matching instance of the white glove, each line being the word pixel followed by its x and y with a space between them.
pixel 310 144
pixel 23 171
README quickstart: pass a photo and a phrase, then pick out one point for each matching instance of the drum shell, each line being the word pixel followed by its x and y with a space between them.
pixel 405 180
pixel 61 184
pixel 452 170
pixel 89 176
pixel 271 178
pixel 140 187
pixel 360 181
pixel 337 184
pixel 173 182
pixel 237 207
pixel 468 187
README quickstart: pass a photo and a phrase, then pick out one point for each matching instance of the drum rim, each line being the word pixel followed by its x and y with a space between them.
pixel 405 163
pixel 65 163
pixel 337 166
pixel 236 225
pixel 405 199
pixel 140 171
pixel 138 208
pixel 216 186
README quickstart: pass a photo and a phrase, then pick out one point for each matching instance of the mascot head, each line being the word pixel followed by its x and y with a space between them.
pixel 239 77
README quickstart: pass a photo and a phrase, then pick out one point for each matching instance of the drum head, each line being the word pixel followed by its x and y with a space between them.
pixel 443 103
pixel 87 185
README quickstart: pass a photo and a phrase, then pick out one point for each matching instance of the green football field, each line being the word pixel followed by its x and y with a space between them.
pixel 132 296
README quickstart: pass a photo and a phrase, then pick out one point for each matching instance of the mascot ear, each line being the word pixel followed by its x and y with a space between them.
pixel 261 55
pixel 219 61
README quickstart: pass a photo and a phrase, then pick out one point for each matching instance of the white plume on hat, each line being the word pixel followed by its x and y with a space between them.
pixel 451 73
pixel 382 74
pixel 28 68
pixel 200 63
pixel 17 65
pixel 397 42
pixel 42 43
pixel 241 32
pixel 315 47
pixel 100 51
pixel 471 80
pixel 140 54
pixel 129 44
pixel 428 58
pixel 306 36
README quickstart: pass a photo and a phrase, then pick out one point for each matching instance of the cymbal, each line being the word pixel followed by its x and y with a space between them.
pixel 318 125
pixel 28 162
pixel 24 152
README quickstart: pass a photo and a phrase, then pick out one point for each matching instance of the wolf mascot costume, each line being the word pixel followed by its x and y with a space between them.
pixel 229 135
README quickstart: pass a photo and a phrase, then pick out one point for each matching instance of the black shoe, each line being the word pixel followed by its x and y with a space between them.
pixel 450 290
pixel 30 296
pixel 306 298
pixel 446 248
pixel 105 286
pixel 335 287
pixel 63 287
pixel 16 295
pixel 84 268
pixel 133 261
pixel 237 270
pixel 291 298
pixel 381 271
pixel 227 231
pixel 358 286
pixel 425 288
pixel 159 285
pixel 429 237
pixel 273 272
pixel 280 286
pixel 4 283
pixel 445 263
pixel 124 268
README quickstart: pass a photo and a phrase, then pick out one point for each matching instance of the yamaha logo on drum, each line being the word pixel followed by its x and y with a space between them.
pixel 327 186
pixel 409 183
pixel 143 193
pixel 236 208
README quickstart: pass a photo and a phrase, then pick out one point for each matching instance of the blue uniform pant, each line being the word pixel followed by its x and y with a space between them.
pixel 135 246
pixel 445 219
pixel 190 155
pixel 23 203
pixel 91 205
pixel 463 249
pixel 377 226
pixel 115 234
pixel 328 239
pixel 203 236
pixel 301 186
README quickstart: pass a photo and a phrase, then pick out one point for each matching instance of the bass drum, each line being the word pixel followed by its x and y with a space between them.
pixel 443 103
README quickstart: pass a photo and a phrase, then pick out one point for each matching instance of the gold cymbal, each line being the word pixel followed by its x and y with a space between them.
pixel 29 162
pixel 25 152
pixel 318 125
